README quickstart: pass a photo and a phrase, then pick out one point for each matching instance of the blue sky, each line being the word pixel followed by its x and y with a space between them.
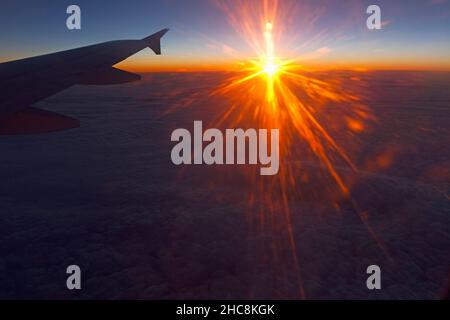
pixel 414 31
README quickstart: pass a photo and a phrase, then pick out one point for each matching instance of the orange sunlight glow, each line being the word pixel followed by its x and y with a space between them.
pixel 278 93
pixel 283 108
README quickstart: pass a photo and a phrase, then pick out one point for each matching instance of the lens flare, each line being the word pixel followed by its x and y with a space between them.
pixel 274 92
pixel 268 88
pixel 270 66
pixel 281 81
pixel 271 91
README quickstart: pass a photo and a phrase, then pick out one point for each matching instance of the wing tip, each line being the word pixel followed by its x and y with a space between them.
pixel 157 35
pixel 154 41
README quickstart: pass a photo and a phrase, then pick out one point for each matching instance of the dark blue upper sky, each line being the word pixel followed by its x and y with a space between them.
pixel 414 31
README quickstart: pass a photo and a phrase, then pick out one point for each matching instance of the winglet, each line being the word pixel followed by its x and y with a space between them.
pixel 154 41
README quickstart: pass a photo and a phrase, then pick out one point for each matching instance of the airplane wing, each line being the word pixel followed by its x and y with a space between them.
pixel 25 82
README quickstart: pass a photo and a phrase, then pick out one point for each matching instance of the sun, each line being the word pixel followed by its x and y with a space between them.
pixel 271 68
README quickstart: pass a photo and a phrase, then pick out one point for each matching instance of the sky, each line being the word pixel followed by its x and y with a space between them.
pixel 207 34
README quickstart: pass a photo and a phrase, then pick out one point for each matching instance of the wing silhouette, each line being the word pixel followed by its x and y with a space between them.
pixel 27 81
